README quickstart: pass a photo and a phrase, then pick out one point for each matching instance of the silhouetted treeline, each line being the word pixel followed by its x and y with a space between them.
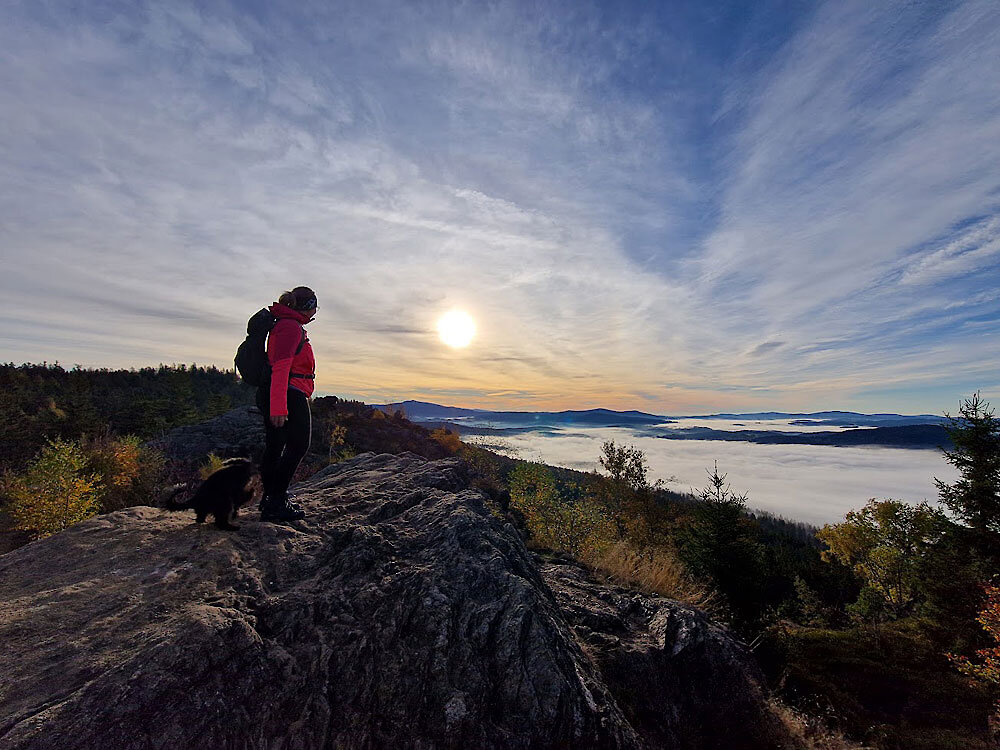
pixel 43 401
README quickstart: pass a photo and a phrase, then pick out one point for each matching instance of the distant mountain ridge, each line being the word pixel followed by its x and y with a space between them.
pixel 835 418
pixel 926 436
pixel 916 431
pixel 427 411
pixel 421 411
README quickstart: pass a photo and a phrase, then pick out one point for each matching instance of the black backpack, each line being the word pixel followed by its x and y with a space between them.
pixel 251 356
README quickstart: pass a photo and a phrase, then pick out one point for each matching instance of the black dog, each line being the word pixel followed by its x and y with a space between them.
pixel 223 493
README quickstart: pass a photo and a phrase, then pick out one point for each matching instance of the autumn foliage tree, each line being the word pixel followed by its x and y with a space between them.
pixel 628 497
pixel 54 492
pixel 885 543
pixel 625 465
pixel 986 667
pixel 129 471
pixel 71 480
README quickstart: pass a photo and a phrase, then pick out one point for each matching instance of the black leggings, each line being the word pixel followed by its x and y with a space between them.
pixel 284 446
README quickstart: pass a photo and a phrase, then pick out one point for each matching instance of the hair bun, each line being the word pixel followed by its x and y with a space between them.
pixel 300 298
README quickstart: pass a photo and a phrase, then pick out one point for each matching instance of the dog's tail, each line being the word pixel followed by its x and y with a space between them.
pixel 170 501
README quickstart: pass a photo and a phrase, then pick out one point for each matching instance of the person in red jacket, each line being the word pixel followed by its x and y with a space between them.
pixel 284 401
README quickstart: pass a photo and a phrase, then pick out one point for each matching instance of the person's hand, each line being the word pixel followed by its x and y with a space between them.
pixel 279 420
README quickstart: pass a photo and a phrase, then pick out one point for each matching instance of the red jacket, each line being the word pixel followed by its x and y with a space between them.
pixel 285 363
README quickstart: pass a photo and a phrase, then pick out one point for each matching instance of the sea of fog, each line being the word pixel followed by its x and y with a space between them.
pixel 812 483
pixel 774 425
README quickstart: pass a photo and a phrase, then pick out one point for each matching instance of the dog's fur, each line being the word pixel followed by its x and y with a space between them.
pixel 222 494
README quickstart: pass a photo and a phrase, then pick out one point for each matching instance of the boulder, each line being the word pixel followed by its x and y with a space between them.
pixel 400 613
pixel 238 432
pixel 681 680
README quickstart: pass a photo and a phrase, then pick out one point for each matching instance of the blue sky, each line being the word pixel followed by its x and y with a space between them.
pixel 675 207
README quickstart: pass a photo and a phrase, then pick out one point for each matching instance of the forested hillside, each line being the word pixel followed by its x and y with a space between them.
pixel 885 627
pixel 41 402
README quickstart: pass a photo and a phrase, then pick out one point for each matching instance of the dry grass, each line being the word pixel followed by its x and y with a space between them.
pixel 655 571
pixel 810 732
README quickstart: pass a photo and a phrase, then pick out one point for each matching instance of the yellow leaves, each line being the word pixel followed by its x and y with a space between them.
pixel 123 460
pixel 54 409
pixel 446 438
pixel 54 492
pixel 338 436
pixel 884 543
pixel 128 470
pixel 70 481
pixel 211 465
pixel 339 449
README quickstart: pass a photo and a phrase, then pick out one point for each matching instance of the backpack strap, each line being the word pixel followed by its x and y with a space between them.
pixel 301 344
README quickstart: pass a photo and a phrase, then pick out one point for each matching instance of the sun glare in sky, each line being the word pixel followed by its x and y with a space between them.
pixel 457 329
pixel 586 181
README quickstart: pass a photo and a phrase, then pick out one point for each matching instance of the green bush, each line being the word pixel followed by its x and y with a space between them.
pixel 579 527
pixel 55 491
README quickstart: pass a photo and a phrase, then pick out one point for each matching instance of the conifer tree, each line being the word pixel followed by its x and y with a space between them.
pixel 721 545
pixel 974 497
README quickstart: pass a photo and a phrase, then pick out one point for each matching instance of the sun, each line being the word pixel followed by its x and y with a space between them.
pixel 457 329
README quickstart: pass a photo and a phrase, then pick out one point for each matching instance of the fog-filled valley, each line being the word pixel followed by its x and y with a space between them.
pixel 813 483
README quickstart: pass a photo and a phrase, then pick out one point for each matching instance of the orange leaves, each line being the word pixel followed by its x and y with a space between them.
pixel 448 439
pixel 988 667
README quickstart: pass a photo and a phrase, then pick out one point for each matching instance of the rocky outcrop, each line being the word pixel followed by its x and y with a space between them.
pixel 681 680
pixel 400 613
pixel 239 432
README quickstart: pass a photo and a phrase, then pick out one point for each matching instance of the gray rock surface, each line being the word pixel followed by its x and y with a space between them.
pixel 239 432
pixel 401 613
pixel 681 680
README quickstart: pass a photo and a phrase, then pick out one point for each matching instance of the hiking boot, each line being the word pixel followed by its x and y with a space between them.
pixel 266 501
pixel 281 513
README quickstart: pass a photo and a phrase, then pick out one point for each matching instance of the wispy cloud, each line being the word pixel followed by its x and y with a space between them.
pixel 761 210
pixel 972 250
